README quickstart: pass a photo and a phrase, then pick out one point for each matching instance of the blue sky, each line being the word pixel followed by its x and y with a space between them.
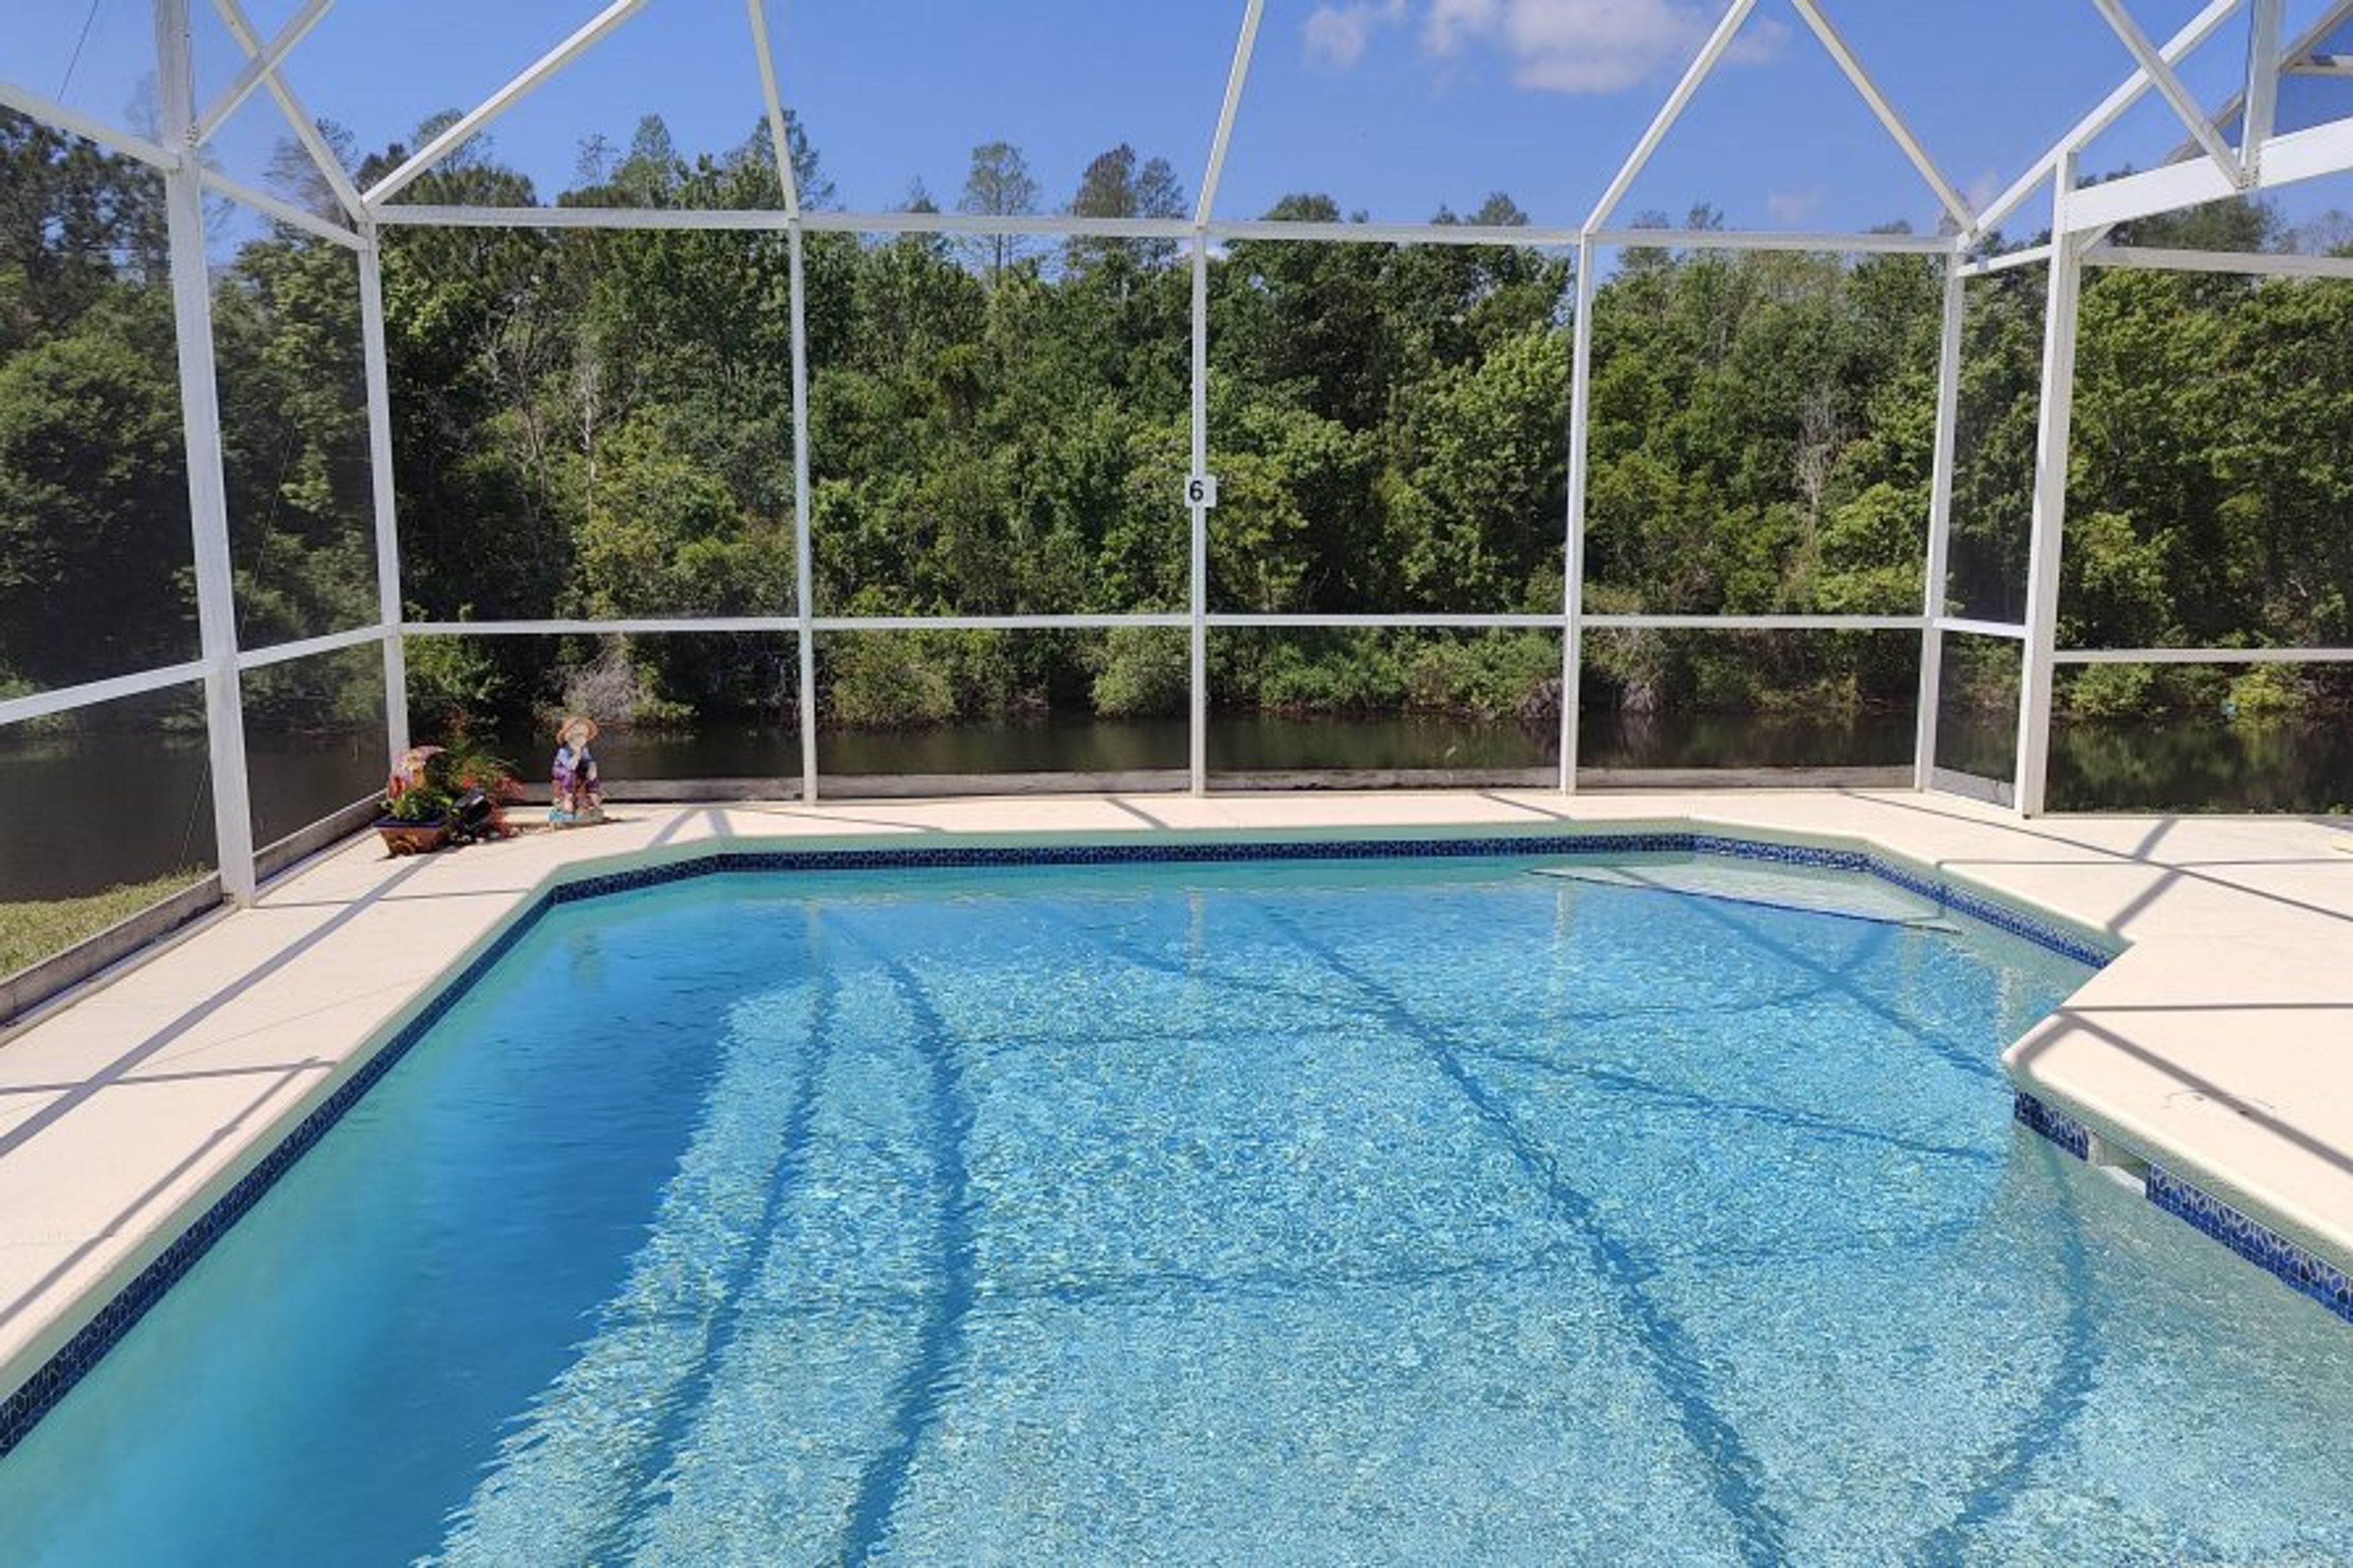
pixel 1393 107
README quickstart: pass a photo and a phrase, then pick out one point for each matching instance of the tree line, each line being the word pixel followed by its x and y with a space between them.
pixel 600 422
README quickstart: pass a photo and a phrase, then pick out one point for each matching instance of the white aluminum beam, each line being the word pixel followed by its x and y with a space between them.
pixel 259 67
pixel 2053 430
pixel 647 624
pixel 1082 622
pixel 285 212
pixel 1237 77
pixel 2305 42
pixel 1967 627
pixel 207 482
pixel 804 565
pixel 659 626
pixel 2169 85
pixel 1756 622
pixel 2204 656
pixel 309 648
pixel 778 136
pixel 1934 577
pixel 1820 241
pixel 2245 264
pixel 2320 64
pixel 418 215
pixel 63 117
pixel 2260 112
pixel 1396 233
pixel 66 699
pixel 2258 120
pixel 305 128
pixel 2032 255
pixel 2323 150
pixel 1572 575
pixel 422 216
pixel 1410 620
pixel 1049 223
pixel 1197 596
pixel 531 78
pixel 1179 620
pixel 1670 111
pixel 384 495
pixel 2194 32
pixel 1955 205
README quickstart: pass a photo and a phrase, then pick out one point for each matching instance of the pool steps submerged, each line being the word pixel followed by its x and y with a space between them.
pixel 24 1405
pixel 1809 899
pixel 2299 1267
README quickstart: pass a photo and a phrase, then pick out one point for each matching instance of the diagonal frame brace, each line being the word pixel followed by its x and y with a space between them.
pixel 2260 110
pixel 1955 205
pixel 1237 77
pixel 2193 32
pixel 2296 59
pixel 522 86
pixel 306 129
pixel 2169 85
pixel 1701 69
pixel 260 66
pixel 777 133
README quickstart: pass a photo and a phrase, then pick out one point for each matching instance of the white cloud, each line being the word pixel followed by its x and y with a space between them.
pixel 1591 46
pixel 1335 36
pixel 1451 20
pixel 1794 209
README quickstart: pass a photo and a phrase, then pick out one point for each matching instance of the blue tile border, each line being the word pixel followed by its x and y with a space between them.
pixel 2302 1271
pixel 1994 913
pixel 2057 1125
pixel 23 1406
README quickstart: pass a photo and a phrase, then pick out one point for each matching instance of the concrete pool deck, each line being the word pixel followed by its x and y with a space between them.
pixel 2219 1043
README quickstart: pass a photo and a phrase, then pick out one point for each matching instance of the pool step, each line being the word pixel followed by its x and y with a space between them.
pixel 1802 892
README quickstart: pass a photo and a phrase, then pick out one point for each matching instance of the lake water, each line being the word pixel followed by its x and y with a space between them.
pixel 91 811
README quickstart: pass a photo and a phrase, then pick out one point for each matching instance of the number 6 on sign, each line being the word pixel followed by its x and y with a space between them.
pixel 1201 490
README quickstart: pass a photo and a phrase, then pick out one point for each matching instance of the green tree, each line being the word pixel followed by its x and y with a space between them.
pixel 998 185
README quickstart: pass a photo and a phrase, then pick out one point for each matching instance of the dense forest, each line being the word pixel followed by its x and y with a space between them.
pixel 600 422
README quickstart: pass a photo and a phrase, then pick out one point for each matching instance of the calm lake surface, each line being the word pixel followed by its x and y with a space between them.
pixel 94 810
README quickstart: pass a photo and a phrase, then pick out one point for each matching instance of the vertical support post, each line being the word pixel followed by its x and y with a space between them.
pixel 1940 523
pixel 207 484
pixel 387 520
pixel 1198 597
pixel 2261 108
pixel 1572 591
pixel 804 569
pixel 2052 431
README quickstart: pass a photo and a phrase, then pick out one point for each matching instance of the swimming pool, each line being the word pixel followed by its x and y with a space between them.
pixel 1378 1211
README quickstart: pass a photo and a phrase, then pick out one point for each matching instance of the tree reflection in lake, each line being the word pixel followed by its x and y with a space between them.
pixel 119 807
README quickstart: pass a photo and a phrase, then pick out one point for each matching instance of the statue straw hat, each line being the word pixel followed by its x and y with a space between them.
pixel 575 732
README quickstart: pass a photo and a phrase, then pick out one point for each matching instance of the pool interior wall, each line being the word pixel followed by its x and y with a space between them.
pixel 26 1405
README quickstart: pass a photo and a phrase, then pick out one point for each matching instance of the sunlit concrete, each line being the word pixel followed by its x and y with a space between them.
pixel 2221 1042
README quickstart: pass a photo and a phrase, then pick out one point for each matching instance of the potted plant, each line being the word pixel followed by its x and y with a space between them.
pixel 437 794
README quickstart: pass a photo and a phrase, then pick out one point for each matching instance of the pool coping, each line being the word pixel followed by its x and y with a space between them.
pixel 47 1363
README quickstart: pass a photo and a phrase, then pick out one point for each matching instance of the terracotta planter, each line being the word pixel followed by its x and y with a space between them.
pixel 412 838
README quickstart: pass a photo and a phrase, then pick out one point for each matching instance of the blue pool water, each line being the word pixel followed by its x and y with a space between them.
pixel 1387 1212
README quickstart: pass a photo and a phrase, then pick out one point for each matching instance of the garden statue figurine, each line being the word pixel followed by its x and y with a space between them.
pixel 409 769
pixel 578 796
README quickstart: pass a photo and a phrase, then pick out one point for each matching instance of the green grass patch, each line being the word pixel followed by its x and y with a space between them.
pixel 36 929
